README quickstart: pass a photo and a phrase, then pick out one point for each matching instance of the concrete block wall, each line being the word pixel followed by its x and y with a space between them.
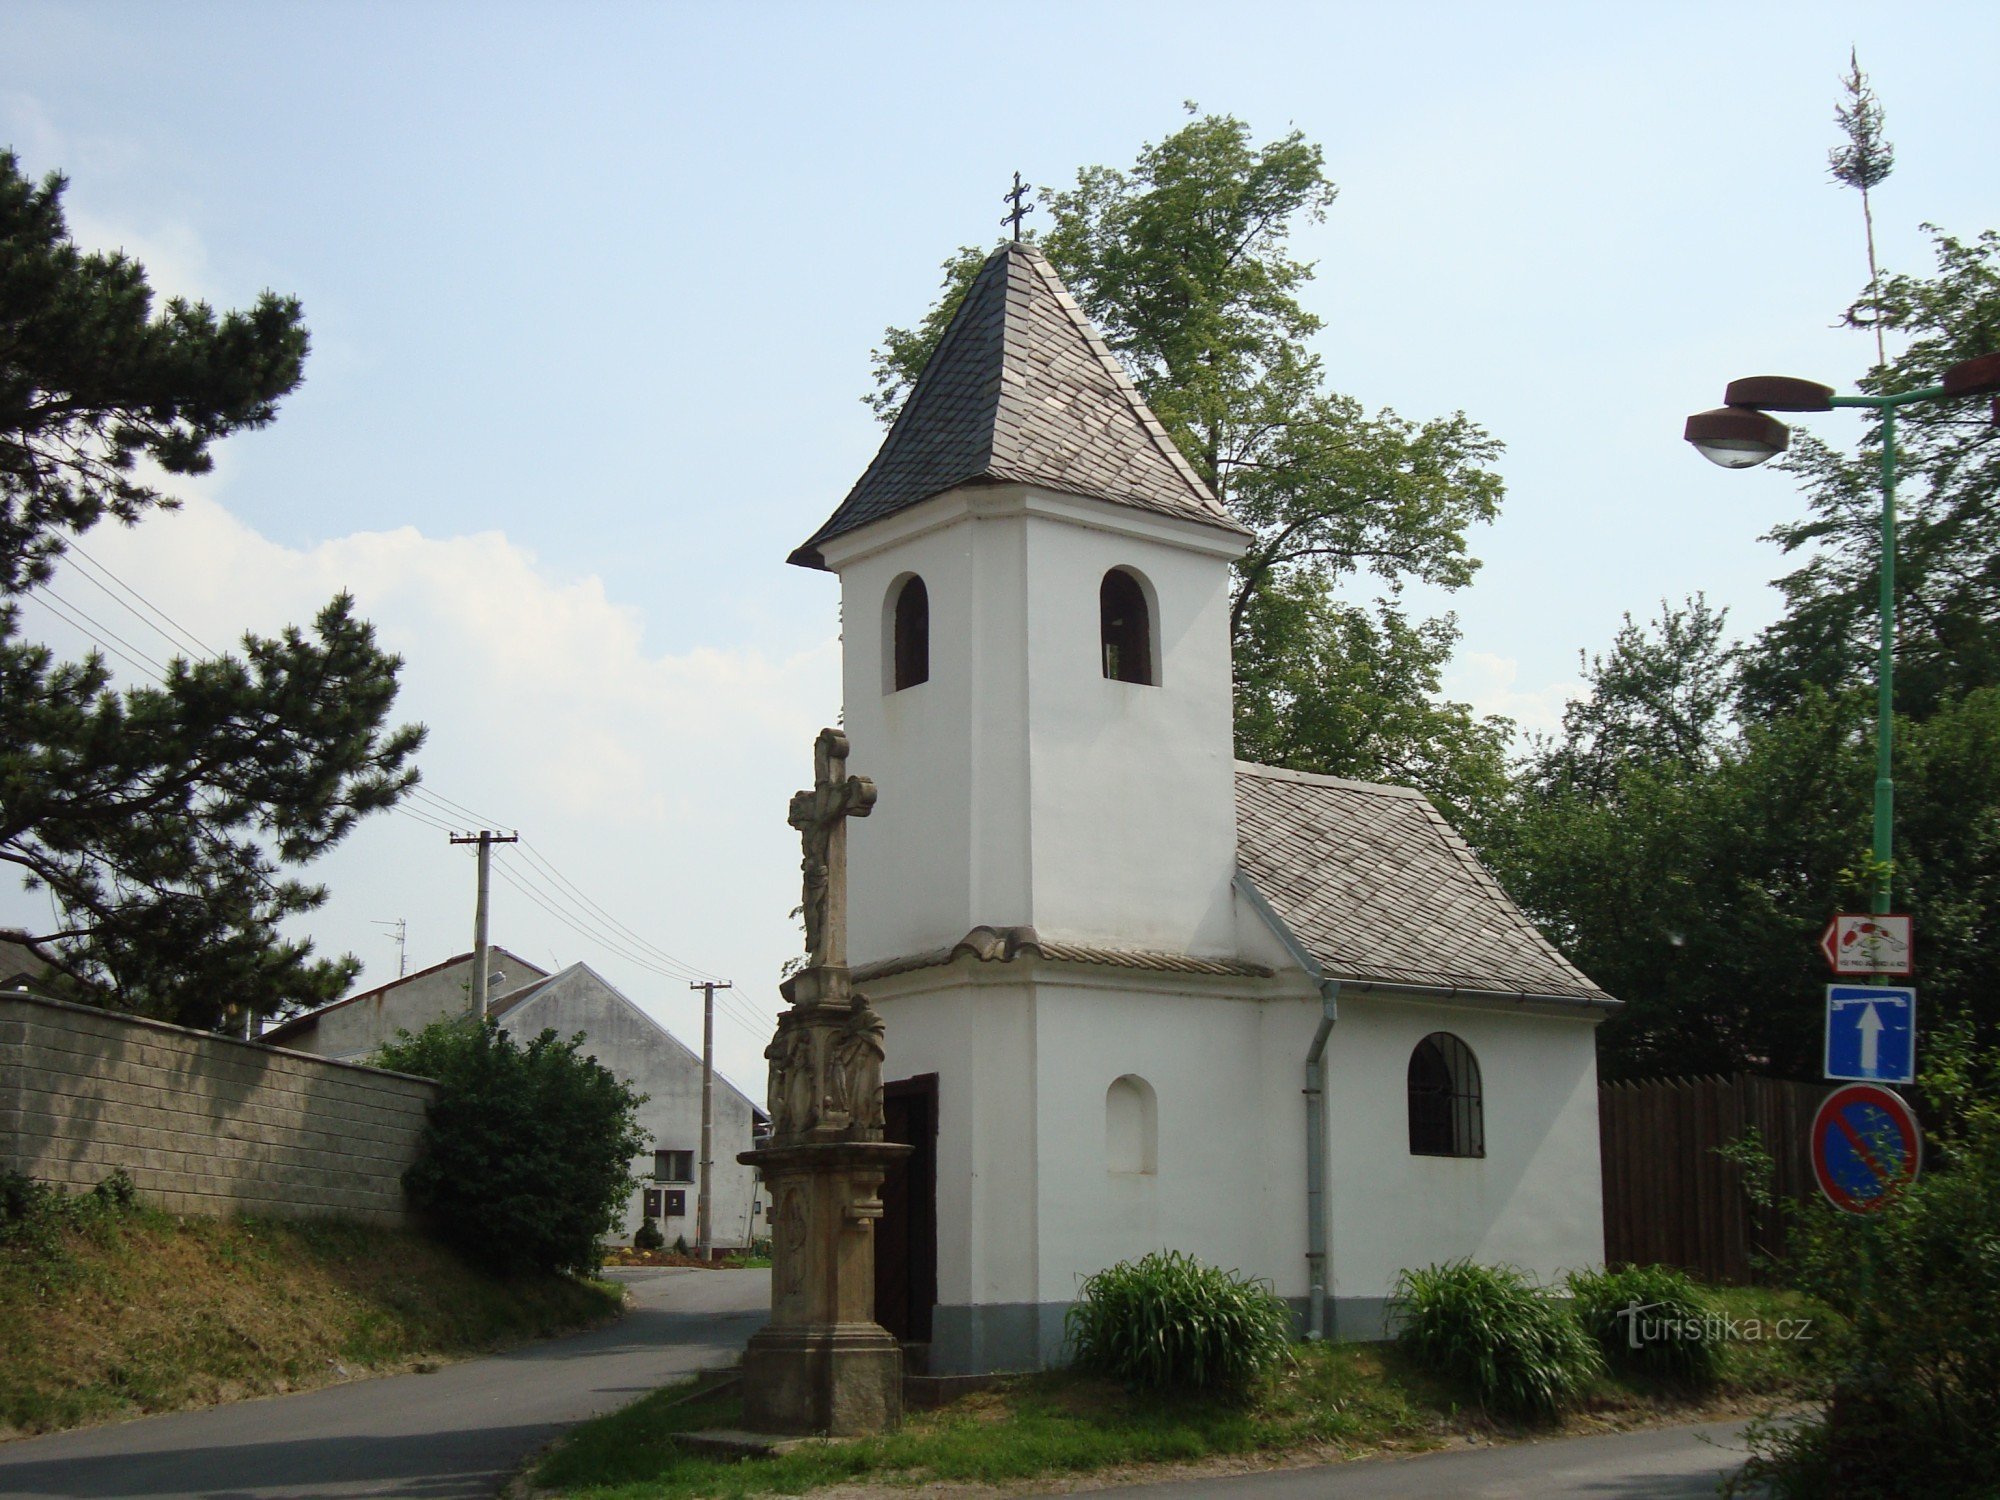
pixel 203 1124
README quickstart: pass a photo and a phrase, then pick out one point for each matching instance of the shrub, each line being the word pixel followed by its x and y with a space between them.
pixel 1648 1320
pixel 528 1150
pixel 1518 1349
pixel 1916 1400
pixel 649 1236
pixel 1167 1321
pixel 680 1244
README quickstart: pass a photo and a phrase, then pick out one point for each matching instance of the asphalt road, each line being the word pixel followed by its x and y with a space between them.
pixel 1661 1463
pixel 456 1433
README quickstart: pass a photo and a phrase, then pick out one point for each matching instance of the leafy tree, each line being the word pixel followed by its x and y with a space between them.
pixel 1664 696
pixel 1183 263
pixel 1329 687
pixel 157 818
pixel 1948 504
pixel 91 381
pixel 527 1158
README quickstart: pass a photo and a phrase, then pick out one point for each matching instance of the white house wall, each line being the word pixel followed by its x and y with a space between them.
pixel 1028 1203
pixel 1535 1200
pixel 357 1028
pixel 649 1058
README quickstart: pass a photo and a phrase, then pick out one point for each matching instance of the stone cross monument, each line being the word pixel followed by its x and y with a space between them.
pixel 823 1364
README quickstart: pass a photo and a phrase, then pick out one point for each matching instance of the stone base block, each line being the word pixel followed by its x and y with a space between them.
pixel 841 1379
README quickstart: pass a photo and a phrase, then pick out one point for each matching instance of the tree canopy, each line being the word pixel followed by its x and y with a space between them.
pixel 159 818
pixel 1183 263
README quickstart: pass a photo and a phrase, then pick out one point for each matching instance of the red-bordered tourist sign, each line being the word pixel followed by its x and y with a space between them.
pixel 1868 943
pixel 1865 1147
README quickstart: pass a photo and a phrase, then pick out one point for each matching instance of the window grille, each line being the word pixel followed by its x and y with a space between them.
pixel 1446 1111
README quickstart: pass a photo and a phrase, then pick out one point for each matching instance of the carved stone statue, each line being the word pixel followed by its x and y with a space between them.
pixel 822 1364
pixel 821 815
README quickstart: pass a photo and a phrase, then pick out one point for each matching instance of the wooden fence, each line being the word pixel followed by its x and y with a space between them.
pixel 1670 1200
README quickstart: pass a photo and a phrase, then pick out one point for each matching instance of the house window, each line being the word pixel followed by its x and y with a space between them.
pixel 1446 1114
pixel 1126 628
pixel 673 1166
pixel 1131 1126
pixel 910 661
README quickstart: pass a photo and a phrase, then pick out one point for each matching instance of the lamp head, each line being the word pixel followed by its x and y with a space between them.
pixel 1978 376
pixel 1737 437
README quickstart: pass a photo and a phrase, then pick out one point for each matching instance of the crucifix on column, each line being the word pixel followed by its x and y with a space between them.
pixel 821 815
pixel 822 1363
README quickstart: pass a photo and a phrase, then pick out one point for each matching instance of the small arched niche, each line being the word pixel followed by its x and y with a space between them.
pixel 906 634
pixel 1131 1126
pixel 1125 614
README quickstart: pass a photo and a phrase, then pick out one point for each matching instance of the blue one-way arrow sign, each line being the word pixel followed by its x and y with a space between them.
pixel 1871 1033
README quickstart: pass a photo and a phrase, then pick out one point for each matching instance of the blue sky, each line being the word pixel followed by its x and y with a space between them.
pixel 592 292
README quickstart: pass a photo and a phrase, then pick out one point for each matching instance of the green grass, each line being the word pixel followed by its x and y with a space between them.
pixel 1334 1401
pixel 1029 1427
pixel 113 1315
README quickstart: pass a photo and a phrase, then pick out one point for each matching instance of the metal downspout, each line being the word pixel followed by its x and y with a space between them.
pixel 1329 999
pixel 1317 1267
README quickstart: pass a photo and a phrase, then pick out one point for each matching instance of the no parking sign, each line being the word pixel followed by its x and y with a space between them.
pixel 1865 1147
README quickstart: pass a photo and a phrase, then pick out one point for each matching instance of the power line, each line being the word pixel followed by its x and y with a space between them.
pixel 70 615
pixel 601 941
pixel 457 808
pixel 578 921
pixel 692 971
pixel 188 639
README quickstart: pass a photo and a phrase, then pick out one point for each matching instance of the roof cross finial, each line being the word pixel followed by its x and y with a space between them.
pixel 1021 210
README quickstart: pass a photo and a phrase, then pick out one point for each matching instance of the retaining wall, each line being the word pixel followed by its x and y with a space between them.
pixel 203 1124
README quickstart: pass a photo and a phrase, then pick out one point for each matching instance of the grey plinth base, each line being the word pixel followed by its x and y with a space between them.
pixel 840 1379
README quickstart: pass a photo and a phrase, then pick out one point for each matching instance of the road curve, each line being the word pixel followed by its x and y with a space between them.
pixel 456 1433
pixel 1657 1463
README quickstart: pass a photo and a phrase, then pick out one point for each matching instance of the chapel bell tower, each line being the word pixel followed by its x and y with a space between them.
pixel 1035 620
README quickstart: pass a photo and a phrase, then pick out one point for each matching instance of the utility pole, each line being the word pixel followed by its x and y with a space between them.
pixel 704 1223
pixel 481 959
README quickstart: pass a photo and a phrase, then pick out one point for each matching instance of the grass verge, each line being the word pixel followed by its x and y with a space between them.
pixel 1331 1402
pixel 124 1313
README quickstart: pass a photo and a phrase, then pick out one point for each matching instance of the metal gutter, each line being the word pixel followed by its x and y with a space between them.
pixel 1604 1003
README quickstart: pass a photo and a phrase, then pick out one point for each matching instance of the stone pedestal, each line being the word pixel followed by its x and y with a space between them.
pixel 823 1365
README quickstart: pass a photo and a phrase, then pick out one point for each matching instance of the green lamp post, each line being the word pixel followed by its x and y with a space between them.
pixel 1742 433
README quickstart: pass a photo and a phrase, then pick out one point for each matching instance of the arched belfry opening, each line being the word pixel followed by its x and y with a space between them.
pixel 1125 622
pixel 909 634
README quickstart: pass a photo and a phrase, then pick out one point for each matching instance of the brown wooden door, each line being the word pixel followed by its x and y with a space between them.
pixel 906 1234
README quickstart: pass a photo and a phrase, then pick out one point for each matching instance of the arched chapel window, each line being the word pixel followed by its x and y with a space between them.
pixel 1126 628
pixel 1131 1126
pixel 911 661
pixel 1446 1113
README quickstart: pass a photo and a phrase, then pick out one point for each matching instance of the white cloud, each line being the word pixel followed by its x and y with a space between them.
pixel 1491 684
pixel 656 783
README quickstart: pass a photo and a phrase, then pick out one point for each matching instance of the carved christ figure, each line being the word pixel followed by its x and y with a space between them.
pixel 821 815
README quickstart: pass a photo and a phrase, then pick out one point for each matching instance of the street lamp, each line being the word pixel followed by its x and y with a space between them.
pixel 1741 434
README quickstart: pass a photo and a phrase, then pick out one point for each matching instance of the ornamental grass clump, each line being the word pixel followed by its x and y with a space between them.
pixel 1517 1349
pixel 1168 1322
pixel 1650 1321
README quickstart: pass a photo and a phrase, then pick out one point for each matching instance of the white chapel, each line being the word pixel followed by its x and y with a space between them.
pixel 1140 995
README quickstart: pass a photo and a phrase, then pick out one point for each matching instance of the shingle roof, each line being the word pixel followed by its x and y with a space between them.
pixel 1377 886
pixel 1022 390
